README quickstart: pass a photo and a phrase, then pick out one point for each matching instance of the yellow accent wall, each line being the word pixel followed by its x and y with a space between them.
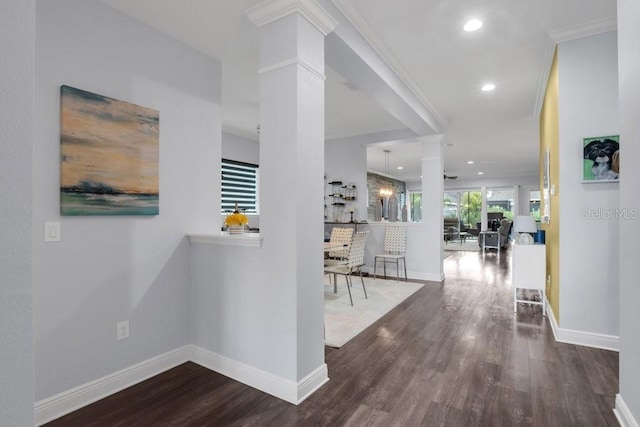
pixel 549 139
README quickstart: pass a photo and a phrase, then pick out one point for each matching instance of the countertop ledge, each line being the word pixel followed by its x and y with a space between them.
pixel 251 240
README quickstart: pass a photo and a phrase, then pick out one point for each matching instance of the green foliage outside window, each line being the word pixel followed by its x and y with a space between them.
pixel 471 208
pixel 415 203
pixel 505 213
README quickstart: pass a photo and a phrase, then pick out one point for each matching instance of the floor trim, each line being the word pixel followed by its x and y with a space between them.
pixel 71 400
pixel 623 414
pixel 587 339
pixel 274 385
pixel 68 401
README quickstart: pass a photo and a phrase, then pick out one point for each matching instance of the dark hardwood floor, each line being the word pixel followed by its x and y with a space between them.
pixel 453 354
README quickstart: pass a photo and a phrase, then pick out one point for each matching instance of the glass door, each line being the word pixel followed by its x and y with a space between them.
pixel 471 210
pixel 500 201
pixel 415 206
pixel 464 205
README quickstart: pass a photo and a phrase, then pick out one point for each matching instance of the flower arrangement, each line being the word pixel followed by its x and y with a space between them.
pixel 236 218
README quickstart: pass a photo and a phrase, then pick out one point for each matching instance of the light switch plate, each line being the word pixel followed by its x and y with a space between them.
pixel 52 232
pixel 122 330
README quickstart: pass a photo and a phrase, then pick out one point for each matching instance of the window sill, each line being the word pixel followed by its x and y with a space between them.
pixel 250 240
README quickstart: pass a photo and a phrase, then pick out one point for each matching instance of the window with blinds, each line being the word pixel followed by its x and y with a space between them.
pixel 239 185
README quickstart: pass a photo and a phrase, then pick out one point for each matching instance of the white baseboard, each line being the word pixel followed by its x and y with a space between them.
pixel 587 339
pixel 68 401
pixel 623 414
pixel 274 385
pixel 71 400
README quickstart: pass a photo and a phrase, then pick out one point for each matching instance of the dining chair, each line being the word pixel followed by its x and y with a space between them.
pixel 395 249
pixel 340 238
pixel 354 263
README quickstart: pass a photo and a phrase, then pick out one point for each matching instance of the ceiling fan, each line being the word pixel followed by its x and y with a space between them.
pixel 450 176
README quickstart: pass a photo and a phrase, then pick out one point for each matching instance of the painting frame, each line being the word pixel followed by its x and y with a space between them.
pixel 601 159
pixel 109 156
pixel 545 217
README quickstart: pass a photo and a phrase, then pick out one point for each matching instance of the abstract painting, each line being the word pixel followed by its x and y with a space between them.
pixel 109 156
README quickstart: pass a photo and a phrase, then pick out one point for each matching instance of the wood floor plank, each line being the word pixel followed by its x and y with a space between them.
pixel 366 416
pixel 439 415
pixel 582 407
pixel 453 354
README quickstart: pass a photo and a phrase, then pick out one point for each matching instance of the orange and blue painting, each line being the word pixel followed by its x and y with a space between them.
pixel 109 156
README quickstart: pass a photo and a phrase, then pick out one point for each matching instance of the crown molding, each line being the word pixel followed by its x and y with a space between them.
pixel 560 36
pixel 294 61
pixel 359 23
pixel 543 74
pixel 584 30
pixel 272 10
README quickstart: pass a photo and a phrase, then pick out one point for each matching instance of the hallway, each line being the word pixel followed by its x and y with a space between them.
pixel 453 354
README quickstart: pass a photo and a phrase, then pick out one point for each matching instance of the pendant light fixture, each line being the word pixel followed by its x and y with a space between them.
pixel 386 191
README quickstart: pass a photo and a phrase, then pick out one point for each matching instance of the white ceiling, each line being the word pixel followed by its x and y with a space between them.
pixel 424 43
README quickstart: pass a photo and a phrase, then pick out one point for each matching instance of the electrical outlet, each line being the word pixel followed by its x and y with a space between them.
pixel 123 329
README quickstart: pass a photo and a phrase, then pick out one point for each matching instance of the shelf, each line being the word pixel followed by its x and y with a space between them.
pixel 251 240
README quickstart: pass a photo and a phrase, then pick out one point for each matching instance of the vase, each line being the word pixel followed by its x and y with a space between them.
pixel 377 212
pixel 235 229
pixel 392 208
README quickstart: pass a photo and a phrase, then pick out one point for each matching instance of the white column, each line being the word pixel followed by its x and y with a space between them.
pixel 291 171
pixel 432 196
pixel 628 400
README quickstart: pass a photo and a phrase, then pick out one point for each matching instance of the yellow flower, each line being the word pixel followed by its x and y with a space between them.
pixel 236 218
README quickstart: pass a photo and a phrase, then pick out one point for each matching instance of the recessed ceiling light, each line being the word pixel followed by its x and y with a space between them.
pixel 487 87
pixel 400 168
pixel 470 162
pixel 480 173
pixel 473 25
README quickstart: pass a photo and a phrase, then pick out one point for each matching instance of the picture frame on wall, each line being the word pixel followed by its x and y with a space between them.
pixel 546 188
pixel 109 156
pixel 601 159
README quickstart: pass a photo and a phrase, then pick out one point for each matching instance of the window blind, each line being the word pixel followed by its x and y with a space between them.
pixel 239 185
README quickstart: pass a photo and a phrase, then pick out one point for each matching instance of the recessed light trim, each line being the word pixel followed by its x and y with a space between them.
pixel 488 87
pixel 480 173
pixel 400 168
pixel 470 162
pixel 473 25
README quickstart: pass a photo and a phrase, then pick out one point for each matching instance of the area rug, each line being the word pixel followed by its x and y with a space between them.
pixel 469 245
pixel 342 322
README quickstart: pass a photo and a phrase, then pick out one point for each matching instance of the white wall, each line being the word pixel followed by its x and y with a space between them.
pixel 346 160
pixel 17 32
pixel 589 252
pixel 523 197
pixel 242 150
pixel 110 269
pixel 629 246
